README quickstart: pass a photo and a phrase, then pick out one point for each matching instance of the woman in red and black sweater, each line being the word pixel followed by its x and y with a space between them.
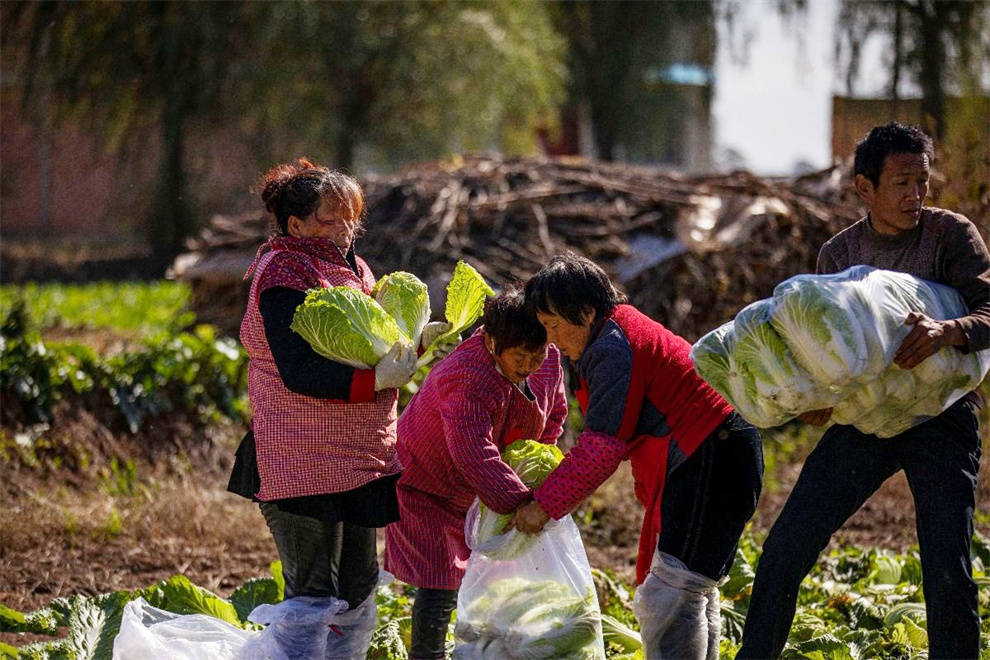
pixel 697 465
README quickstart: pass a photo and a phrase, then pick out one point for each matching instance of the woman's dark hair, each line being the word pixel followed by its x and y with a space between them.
pixel 569 285
pixel 892 138
pixel 298 189
pixel 510 323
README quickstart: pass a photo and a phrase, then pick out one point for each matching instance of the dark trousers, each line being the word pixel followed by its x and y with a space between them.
pixel 941 459
pixel 430 618
pixel 322 559
pixel 708 499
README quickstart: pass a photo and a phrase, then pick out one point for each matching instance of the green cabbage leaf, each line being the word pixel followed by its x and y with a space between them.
pixel 405 298
pixel 532 461
pixel 347 326
pixel 466 294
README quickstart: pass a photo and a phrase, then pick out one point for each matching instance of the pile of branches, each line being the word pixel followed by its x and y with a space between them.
pixel 689 251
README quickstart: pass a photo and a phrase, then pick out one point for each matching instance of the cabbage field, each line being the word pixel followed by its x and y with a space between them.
pixel 120 415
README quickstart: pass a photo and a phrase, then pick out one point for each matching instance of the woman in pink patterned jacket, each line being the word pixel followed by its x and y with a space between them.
pixel 320 458
pixel 502 384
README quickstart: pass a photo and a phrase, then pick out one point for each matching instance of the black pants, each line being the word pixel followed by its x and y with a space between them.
pixel 321 559
pixel 941 459
pixel 708 499
pixel 430 618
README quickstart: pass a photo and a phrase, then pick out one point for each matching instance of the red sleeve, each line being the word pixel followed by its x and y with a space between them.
pixel 362 386
pixel 592 460
pixel 467 412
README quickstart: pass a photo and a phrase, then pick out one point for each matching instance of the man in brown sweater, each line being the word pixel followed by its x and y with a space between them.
pixel 940 457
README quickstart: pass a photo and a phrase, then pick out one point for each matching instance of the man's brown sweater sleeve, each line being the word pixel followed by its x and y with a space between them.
pixel 967 268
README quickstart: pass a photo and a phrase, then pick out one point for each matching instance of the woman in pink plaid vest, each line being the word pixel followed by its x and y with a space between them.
pixel 320 458
pixel 502 384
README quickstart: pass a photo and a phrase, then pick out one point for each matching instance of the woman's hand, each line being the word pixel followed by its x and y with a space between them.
pixel 530 518
pixel 816 417
pixel 396 367
pixel 431 331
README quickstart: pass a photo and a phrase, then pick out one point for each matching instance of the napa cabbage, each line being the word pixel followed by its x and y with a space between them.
pixel 517 618
pixel 773 373
pixel 405 298
pixel 532 461
pixel 346 325
pixel 822 319
pixel 715 361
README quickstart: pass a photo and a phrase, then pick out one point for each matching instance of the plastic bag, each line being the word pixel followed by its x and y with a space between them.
pixel 828 341
pixel 539 604
pixel 303 628
pixel 679 611
pixel 309 628
pixel 148 632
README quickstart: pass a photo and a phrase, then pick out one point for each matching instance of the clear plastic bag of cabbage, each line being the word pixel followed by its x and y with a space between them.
pixel 346 325
pixel 838 337
pixel 539 604
pixel 532 461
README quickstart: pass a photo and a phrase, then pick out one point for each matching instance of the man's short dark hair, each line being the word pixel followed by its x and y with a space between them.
pixel 569 285
pixel 510 323
pixel 892 138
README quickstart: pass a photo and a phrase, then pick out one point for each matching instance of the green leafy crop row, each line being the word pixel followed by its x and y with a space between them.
pixel 197 372
pixel 857 603
pixel 147 308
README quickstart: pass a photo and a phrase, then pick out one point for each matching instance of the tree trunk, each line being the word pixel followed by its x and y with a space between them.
pixel 171 216
pixel 932 67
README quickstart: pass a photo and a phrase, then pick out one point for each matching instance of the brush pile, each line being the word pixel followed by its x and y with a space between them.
pixel 688 250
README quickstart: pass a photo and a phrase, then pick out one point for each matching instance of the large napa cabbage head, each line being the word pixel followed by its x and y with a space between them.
pixel 714 357
pixel 346 325
pixel 773 372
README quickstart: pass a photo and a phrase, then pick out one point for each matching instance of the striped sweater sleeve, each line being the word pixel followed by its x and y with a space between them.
pixel 598 451
pixel 467 411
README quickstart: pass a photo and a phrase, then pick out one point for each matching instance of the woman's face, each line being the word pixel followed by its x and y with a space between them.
pixel 517 362
pixel 568 337
pixel 329 221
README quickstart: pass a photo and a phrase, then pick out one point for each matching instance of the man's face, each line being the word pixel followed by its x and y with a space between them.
pixel 895 202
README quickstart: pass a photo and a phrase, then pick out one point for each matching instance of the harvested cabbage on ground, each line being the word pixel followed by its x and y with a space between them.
pixel 529 619
pixel 826 341
pixel 532 461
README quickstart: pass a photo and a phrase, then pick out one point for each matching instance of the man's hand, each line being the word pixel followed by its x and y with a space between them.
pixel 816 417
pixel 926 337
pixel 396 367
pixel 529 518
